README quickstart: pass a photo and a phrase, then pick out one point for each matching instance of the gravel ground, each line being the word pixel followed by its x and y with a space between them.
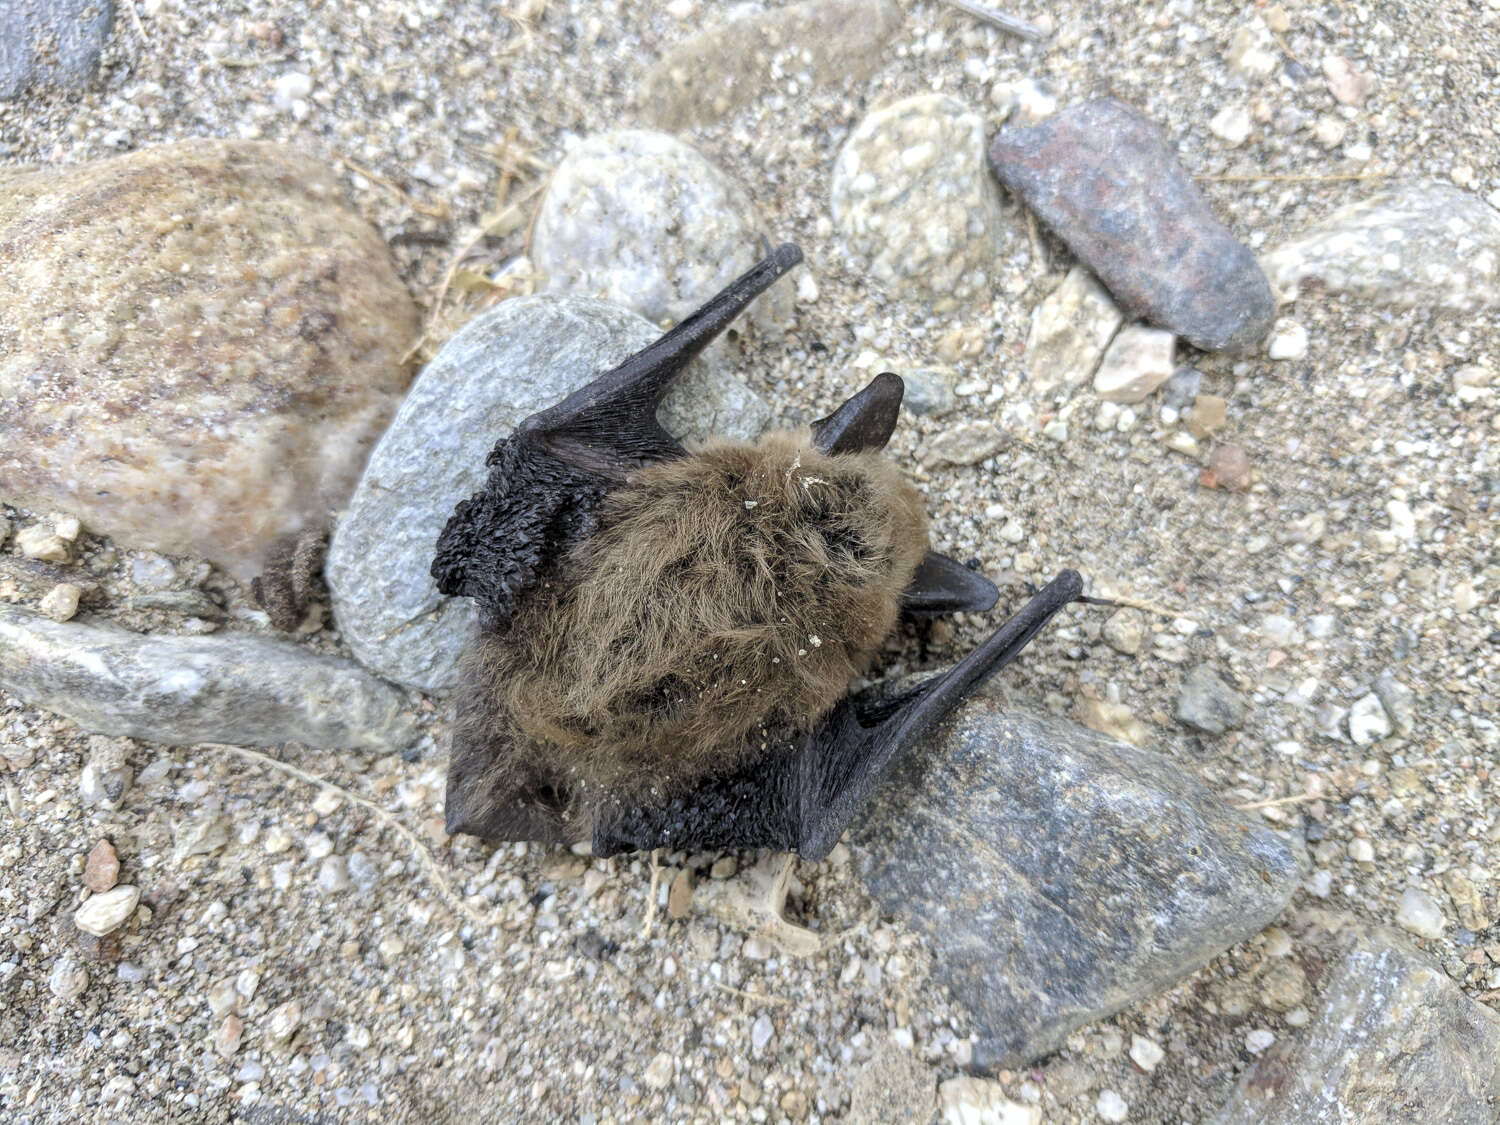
pixel 303 962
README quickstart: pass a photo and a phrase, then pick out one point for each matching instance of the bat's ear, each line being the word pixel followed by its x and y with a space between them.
pixel 610 426
pixel 943 585
pixel 864 422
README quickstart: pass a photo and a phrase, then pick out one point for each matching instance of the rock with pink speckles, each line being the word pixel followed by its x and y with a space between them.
pixel 208 344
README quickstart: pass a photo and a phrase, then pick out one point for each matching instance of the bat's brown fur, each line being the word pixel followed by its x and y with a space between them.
pixel 732 591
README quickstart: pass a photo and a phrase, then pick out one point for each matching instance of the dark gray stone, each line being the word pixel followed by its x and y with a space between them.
pixel 51 42
pixel 1397 1042
pixel 1208 704
pixel 503 366
pixel 1059 875
pixel 235 688
pixel 1104 178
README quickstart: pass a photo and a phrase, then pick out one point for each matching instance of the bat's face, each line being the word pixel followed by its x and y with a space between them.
pixel 668 638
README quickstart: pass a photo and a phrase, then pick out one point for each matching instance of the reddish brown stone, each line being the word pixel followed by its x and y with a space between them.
pixel 1104 178
pixel 1229 468
pixel 102 870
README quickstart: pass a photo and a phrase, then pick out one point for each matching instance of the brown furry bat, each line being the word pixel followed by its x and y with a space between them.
pixel 668 638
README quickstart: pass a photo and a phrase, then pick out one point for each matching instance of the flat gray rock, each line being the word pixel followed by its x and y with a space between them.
pixel 523 356
pixel 1422 244
pixel 1397 1042
pixel 1104 178
pixel 51 42
pixel 1059 875
pixel 235 688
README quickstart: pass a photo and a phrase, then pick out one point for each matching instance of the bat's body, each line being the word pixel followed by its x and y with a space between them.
pixel 668 638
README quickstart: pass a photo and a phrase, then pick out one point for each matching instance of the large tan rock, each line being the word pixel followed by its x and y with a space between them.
pixel 199 343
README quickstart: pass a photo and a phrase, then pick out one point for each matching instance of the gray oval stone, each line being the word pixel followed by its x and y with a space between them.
pixel 523 356
pixel 647 222
pixel 1059 875
pixel 914 203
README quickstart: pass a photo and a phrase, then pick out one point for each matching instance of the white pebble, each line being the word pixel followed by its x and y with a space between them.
pixel 61 602
pixel 1361 851
pixel 760 1031
pixel 1231 125
pixel 1419 913
pixel 107 912
pixel 1111 1106
pixel 807 288
pixel 68 979
pixel 1288 340
pixel 289 89
pixel 1368 722
pixel 1258 1040
pixel 1145 1053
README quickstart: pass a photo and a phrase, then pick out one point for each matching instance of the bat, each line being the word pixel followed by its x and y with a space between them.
pixel 667 638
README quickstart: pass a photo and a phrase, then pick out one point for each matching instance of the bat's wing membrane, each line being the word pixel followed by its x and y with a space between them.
pixel 609 427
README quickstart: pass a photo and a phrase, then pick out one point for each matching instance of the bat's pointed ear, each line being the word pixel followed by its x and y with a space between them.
pixel 611 423
pixel 943 585
pixel 864 422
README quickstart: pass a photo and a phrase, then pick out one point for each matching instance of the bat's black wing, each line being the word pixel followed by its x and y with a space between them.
pixel 547 479
pixel 802 799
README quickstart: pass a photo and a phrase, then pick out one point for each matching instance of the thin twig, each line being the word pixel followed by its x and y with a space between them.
pixel 432 211
pixel 135 18
pixel 757 997
pixel 1249 178
pixel 445 889
pixel 1039 252
pixel 1300 798
pixel 655 884
pixel 1008 23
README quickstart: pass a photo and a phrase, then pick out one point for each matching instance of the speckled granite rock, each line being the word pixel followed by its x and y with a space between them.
pixel 1423 243
pixel 647 222
pixel 1104 178
pixel 208 344
pixel 1058 875
pixel 1069 331
pixel 815 43
pixel 522 356
pixel 235 688
pixel 51 42
pixel 1397 1042
pixel 914 203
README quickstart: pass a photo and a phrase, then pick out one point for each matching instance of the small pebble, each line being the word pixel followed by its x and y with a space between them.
pixel 1125 631
pixel 227 1040
pixel 61 602
pixel 1111 1107
pixel 761 1031
pixel 1231 125
pixel 284 1021
pixel 1288 340
pixel 107 912
pixel 1368 722
pixel 1419 913
pixel 102 869
pixel 658 1074
pixel 1228 468
pixel 1145 1053
pixel 333 875
pixel 1347 85
pixel 68 979
pixel 1361 850
pixel 42 543
pixel 1258 1040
